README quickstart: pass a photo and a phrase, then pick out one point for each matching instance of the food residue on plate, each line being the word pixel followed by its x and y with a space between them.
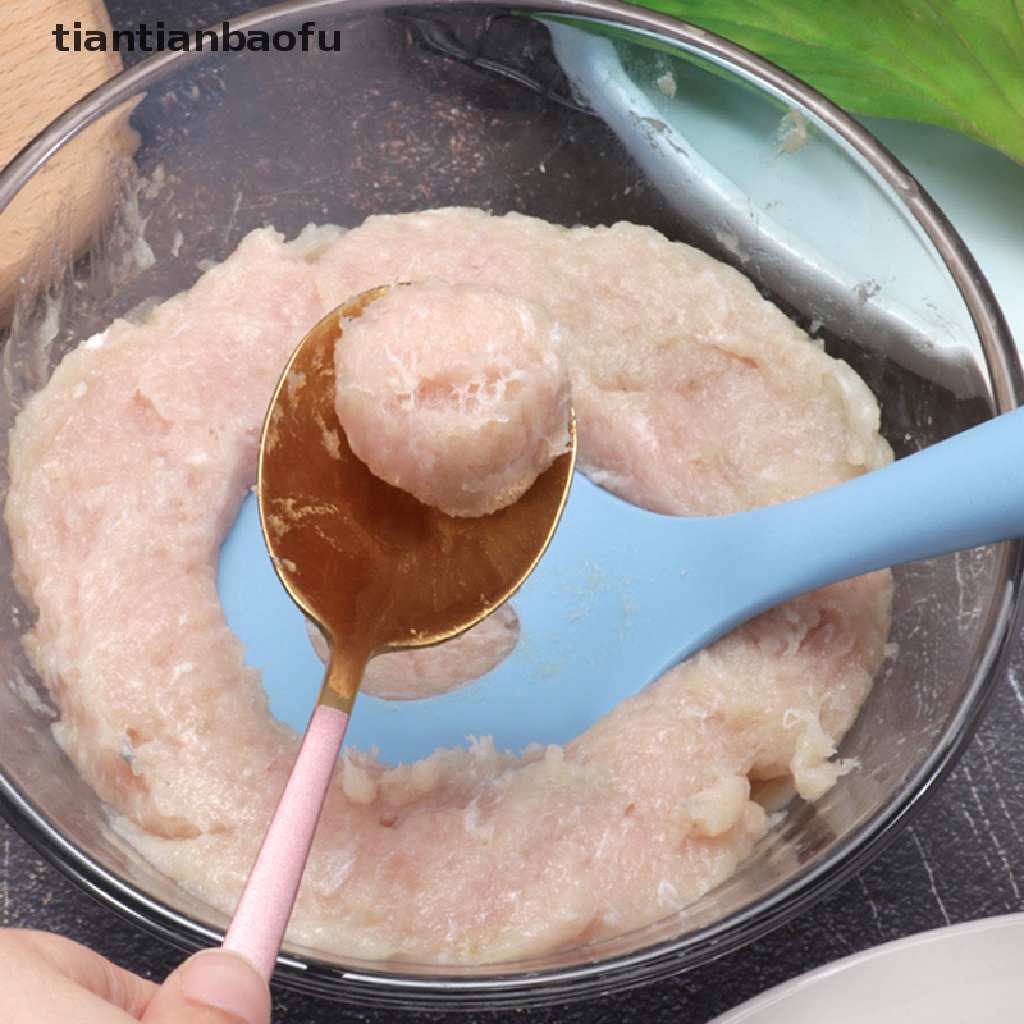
pixel 693 395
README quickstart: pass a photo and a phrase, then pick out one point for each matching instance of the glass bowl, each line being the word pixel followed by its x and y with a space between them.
pixel 585 112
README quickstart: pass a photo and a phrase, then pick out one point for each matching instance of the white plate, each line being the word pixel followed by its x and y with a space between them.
pixel 965 974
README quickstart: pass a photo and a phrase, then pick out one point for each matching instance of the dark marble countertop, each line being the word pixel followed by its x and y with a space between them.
pixel 961 859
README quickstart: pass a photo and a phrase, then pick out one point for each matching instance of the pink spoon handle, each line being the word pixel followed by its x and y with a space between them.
pixel 261 917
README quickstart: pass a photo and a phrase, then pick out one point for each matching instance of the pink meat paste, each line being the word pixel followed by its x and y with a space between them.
pixel 693 395
pixel 455 393
pixel 420 672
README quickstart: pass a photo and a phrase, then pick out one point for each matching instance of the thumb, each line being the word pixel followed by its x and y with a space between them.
pixel 212 987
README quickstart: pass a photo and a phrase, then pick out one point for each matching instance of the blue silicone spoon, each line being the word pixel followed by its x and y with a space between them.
pixel 622 594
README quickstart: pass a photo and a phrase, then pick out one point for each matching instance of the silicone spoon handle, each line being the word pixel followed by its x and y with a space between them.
pixel 959 494
pixel 261 917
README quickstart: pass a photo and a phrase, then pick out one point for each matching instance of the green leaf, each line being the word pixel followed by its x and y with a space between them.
pixel 955 63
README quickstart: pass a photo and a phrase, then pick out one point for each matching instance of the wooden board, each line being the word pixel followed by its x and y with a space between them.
pixel 37 83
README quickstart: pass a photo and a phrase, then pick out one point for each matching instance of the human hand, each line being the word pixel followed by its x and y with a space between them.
pixel 47 979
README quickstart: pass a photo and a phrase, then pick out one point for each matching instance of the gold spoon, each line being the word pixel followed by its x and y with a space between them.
pixel 377 571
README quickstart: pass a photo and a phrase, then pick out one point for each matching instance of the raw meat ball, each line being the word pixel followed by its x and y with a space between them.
pixel 457 393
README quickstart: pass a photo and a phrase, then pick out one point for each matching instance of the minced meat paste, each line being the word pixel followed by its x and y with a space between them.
pixel 693 395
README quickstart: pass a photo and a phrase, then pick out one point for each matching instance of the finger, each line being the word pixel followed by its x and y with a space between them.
pixel 45 979
pixel 213 987
pixel 83 968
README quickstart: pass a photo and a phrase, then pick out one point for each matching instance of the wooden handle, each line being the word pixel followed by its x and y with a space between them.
pixel 37 83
